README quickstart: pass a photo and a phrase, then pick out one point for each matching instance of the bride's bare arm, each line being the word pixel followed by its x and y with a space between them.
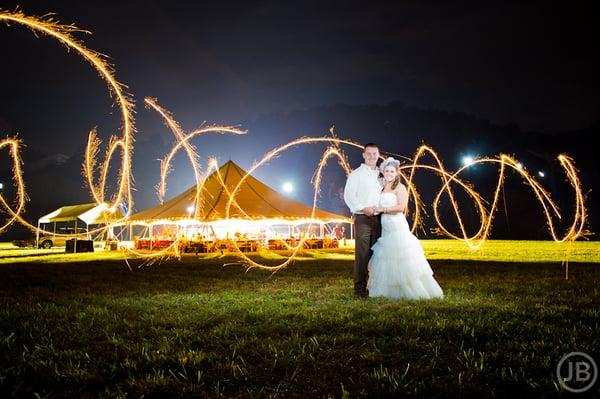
pixel 402 194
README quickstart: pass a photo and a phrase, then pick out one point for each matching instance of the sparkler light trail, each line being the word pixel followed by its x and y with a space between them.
pixel 183 141
pixel 123 146
pixel 550 209
pixel 332 150
pixel 486 215
pixel 63 33
pixel 13 145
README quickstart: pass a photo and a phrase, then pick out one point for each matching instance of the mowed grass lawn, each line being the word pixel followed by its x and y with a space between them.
pixel 72 326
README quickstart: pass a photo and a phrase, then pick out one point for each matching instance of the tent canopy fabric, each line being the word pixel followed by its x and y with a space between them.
pixel 101 215
pixel 89 213
pixel 253 201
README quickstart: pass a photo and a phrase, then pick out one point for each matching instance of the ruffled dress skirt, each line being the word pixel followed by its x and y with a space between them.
pixel 398 268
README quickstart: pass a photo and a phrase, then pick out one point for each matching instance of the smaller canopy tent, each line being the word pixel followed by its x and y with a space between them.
pixel 66 213
pixel 89 214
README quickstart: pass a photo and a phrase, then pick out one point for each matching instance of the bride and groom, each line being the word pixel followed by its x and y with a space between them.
pixel 389 260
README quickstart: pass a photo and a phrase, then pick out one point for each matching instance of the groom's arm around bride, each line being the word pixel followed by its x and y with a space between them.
pixel 361 194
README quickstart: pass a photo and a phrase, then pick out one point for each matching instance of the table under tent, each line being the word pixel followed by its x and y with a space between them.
pixel 259 217
pixel 82 221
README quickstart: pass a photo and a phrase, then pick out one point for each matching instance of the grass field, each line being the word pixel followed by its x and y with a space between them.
pixel 85 326
pixel 492 250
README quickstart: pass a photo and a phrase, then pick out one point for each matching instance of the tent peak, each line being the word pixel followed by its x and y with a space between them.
pixel 230 162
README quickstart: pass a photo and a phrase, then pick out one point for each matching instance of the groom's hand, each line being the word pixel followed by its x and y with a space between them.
pixel 369 211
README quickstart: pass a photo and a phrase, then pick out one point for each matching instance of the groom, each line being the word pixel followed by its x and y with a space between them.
pixel 361 194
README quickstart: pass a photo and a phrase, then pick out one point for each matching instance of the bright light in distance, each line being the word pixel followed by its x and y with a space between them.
pixel 467 160
pixel 519 165
pixel 541 174
pixel 190 209
pixel 288 187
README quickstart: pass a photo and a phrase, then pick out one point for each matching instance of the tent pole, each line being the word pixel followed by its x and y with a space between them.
pixel 150 235
pixel 37 236
pixel 75 243
pixel 322 230
pixel 351 230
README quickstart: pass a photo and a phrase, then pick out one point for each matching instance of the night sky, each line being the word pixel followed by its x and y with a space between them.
pixel 515 77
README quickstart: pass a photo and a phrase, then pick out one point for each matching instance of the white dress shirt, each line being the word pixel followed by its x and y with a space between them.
pixel 362 189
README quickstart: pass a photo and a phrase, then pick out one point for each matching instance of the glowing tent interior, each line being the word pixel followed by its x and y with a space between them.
pixel 257 212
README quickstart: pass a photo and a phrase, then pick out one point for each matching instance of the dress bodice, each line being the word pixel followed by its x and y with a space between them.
pixel 388 199
pixel 391 220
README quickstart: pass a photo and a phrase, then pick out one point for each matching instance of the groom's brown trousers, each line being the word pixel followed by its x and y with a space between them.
pixel 367 230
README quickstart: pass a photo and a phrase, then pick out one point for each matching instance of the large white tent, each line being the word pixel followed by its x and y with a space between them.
pixel 256 207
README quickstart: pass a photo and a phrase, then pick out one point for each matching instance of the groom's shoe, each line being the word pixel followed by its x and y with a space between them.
pixel 361 295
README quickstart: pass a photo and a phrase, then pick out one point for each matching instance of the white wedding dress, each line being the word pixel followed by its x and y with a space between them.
pixel 398 268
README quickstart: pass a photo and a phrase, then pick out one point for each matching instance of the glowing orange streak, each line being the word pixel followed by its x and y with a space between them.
pixel 275 151
pixel 212 165
pixel 543 197
pixel 267 157
pixel 89 164
pixel 331 151
pixel 222 182
pixel 183 141
pixel 445 176
pixel 63 34
pixel 575 231
pixel 21 193
pixel 448 178
pixel 113 145
pixel 13 144
pixel 179 135
pixel 485 224
pixel 539 192
pixel 166 162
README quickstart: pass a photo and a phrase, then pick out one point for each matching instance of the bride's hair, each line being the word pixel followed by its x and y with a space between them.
pixel 396 164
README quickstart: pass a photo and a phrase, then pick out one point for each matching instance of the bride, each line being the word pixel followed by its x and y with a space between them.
pixel 398 268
